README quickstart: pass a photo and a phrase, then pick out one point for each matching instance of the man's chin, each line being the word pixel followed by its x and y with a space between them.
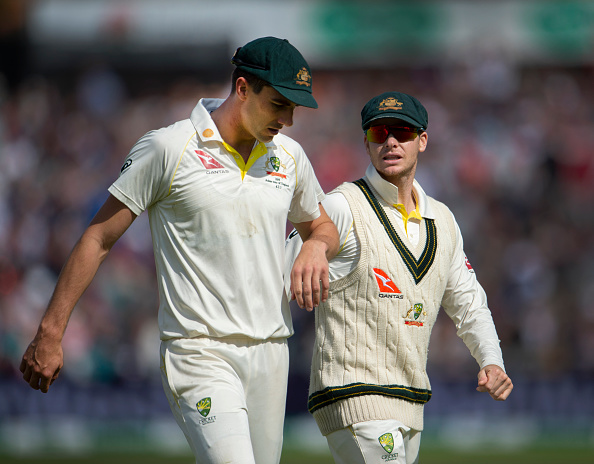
pixel 265 138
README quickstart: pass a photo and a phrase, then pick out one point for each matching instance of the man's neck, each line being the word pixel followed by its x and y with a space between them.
pixel 227 119
pixel 405 190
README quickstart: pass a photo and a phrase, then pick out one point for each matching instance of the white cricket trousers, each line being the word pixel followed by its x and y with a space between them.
pixel 375 442
pixel 228 396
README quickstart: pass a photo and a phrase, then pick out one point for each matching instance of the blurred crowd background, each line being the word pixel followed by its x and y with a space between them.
pixel 511 152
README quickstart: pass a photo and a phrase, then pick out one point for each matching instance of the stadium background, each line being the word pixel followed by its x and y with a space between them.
pixel 509 90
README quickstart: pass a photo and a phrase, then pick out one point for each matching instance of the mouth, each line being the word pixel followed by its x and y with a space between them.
pixel 392 157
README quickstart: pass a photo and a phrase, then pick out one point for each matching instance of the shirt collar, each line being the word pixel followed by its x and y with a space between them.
pixel 389 192
pixel 205 127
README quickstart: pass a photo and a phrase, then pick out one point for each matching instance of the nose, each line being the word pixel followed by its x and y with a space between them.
pixel 286 118
pixel 391 140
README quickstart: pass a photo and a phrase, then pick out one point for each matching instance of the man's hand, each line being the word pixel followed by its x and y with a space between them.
pixel 41 363
pixel 493 380
pixel 310 268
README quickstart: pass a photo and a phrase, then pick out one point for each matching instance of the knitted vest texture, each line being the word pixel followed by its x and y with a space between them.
pixel 372 334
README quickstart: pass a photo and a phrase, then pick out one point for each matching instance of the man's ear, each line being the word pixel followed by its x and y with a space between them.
pixel 241 88
pixel 423 141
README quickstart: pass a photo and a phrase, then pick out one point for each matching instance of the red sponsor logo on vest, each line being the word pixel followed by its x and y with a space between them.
pixel 386 285
pixel 208 161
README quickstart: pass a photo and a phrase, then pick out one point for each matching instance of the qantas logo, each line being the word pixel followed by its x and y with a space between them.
pixel 208 161
pixel 386 285
pixel 468 264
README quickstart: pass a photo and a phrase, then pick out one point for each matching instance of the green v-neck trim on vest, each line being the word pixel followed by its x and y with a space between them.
pixel 418 268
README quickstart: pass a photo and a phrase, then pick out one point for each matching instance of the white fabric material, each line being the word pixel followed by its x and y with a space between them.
pixel 375 442
pixel 212 222
pixel 464 301
pixel 226 379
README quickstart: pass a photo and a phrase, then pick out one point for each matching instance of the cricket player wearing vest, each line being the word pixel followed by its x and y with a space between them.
pixel 401 259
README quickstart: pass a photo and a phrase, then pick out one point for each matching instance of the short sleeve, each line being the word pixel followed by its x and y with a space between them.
pixel 143 176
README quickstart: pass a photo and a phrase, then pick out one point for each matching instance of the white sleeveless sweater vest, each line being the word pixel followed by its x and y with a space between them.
pixel 372 334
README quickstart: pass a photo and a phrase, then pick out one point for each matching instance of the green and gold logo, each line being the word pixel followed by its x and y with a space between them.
pixel 387 442
pixel 303 77
pixel 390 103
pixel 203 406
pixel 416 311
pixel 273 166
pixel 274 162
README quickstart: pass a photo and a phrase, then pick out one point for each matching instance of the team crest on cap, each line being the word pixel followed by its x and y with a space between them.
pixel 387 442
pixel 390 103
pixel 303 77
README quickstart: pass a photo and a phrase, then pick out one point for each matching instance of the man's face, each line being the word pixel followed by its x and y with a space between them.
pixel 396 157
pixel 266 113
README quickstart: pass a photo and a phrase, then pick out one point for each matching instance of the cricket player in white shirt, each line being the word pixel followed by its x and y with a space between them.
pixel 218 188
pixel 401 259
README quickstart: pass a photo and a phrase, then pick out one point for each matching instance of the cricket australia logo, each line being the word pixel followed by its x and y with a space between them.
pixel 387 442
pixel 390 104
pixel 203 407
pixel 303 77
pixel 415 315
pixel 273 165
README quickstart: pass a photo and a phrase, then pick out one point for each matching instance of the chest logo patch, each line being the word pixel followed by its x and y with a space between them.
pixel 208 161
pixel 273 165
pixel 387 287
pixel 415 315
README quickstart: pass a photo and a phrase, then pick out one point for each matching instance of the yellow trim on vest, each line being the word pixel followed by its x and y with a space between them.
pixel 257 152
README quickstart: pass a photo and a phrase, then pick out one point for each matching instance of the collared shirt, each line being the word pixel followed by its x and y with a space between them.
pixel 348 255
pixel 465 300
pixel 218 225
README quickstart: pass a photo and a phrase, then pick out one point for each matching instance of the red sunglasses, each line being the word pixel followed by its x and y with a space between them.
pixel 379 134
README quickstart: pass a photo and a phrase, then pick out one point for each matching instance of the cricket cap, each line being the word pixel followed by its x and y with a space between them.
pixel 395 105
pixel 280 64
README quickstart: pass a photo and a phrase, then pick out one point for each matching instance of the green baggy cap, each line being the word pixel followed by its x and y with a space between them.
pixel 395 105
pixel 280 64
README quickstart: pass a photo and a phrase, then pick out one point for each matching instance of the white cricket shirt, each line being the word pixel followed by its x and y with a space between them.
pixel 218 225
